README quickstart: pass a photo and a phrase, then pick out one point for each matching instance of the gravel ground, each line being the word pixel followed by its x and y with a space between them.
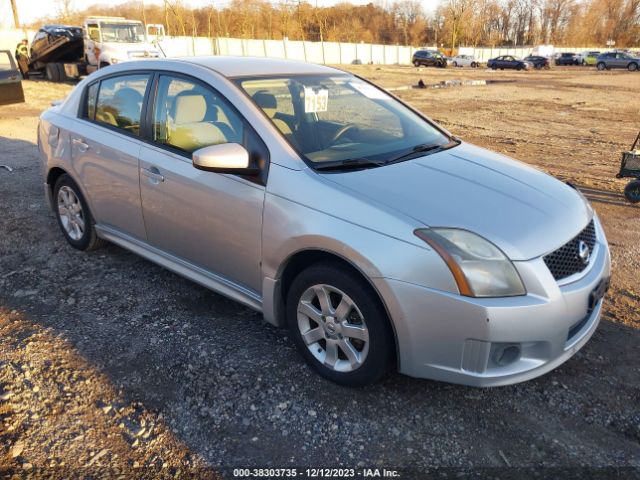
pixel 109 360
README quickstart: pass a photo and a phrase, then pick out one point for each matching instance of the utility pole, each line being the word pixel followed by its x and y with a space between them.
pixel 14 7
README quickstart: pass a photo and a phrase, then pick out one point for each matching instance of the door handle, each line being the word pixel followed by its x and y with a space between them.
pixel 78 142
pixel 153 173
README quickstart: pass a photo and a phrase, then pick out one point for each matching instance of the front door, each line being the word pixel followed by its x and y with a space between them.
pixel 10 80
pixel 211 220
pixel 105 146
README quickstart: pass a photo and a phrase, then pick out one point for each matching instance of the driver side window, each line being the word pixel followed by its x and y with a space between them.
pixel 190 116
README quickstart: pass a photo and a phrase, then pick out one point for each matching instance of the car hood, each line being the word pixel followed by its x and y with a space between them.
pixel 523 211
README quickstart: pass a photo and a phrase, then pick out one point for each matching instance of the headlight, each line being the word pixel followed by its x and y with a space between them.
pixel 114 61
pixel 478 266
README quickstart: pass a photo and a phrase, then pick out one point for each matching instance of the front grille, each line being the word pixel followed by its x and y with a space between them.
pixel 565 261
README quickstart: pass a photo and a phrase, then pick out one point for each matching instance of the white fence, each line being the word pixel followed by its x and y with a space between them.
pixel 314 52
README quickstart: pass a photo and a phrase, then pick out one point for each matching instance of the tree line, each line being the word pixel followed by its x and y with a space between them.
pixel 454 23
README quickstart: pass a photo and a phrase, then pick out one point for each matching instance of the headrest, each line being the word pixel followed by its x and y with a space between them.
pixel 266 101
pixel 190 108
pixel 127 96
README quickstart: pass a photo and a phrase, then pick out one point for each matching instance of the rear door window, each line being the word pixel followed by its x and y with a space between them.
pixel 120 102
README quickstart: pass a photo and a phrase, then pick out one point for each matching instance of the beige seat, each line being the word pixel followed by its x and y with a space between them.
pixel 269 105
pixel 105 116
pixel 188 130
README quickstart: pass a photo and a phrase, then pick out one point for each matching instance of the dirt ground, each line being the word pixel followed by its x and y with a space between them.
pixel 110 362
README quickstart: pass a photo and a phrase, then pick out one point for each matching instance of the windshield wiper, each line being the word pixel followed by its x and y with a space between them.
pixel 421 149
pixel 348 164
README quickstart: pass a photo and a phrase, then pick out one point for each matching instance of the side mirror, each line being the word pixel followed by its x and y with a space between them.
pixel 224 158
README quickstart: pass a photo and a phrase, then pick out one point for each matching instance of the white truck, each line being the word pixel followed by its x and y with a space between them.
pixel 111 40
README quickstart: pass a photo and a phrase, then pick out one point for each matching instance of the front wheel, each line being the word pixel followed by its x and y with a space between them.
pixel 339 325
pixel 632 67
pixel 416 63
pixel 632 191
pixel 601 66
pixel 74 218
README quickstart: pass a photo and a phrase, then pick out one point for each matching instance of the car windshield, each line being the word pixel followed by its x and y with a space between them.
pixel 122 32
pixel 330 119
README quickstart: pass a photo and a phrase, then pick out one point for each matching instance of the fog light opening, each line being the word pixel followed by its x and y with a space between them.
pixel 506 355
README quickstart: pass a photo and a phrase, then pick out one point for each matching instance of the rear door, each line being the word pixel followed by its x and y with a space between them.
pixel 10 80
pixel 105 144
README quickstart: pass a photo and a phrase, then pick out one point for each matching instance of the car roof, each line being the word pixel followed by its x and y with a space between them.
pixel 230 66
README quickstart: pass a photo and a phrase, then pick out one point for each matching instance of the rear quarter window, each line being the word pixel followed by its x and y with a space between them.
pixel 90 101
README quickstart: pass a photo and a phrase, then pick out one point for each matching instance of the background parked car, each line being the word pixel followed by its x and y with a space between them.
pixel 465 61
pixel 429 58
pixel 583 56
pixel 509 62
pixel 10 80
pixel 591 59
pixel 611 60
pixel 567 58
pixel 537 61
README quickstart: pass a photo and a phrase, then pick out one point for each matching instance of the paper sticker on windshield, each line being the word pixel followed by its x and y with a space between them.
pixel 369 91
pixel 316 100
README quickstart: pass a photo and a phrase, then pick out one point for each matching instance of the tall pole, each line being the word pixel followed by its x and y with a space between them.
pixel 144 16
pixel 14 7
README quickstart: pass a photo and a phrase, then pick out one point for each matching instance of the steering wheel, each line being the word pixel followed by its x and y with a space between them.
pixel 342 130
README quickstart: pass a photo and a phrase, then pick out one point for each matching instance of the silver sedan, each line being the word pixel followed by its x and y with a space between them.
pixel 378 238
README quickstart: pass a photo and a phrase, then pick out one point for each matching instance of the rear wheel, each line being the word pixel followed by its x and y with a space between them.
pixel 339 325
pixel 601 66
pixel 632 67
pixel 632 191
pixel 52 72
pixel 74 218
pixel 473 65
pixel 455 64
pixel 416 63
pixel 62 75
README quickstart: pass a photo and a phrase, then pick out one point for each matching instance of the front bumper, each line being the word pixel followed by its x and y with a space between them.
pixel 449 337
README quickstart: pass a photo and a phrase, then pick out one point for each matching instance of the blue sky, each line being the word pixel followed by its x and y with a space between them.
pixel 32 10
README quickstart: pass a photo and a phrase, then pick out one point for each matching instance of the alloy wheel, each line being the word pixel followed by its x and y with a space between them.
pixel 333 328
pixel 70 212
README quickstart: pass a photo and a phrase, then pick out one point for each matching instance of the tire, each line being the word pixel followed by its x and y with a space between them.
pixel 416 63
pixel 474 64
pixel 62 75
pixel 52 72
pixel 103 64
pixel 601 66
pixel 78 226
pixel 493 67
pixel 632 67
pixel 632 191
pixel 363 314
pixel 455 64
